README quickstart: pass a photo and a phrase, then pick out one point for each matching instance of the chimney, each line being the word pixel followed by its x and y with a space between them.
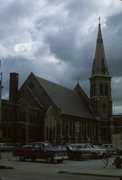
pixel 13 87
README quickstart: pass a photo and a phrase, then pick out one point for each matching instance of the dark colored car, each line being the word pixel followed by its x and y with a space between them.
pixel 40 150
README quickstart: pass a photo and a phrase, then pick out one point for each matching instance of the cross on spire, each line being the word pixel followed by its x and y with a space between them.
pixel 99 19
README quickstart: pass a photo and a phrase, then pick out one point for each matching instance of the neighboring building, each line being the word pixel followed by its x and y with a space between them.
pixel 117 123
pixel 117 134
pixel 44 111
pixel 117 141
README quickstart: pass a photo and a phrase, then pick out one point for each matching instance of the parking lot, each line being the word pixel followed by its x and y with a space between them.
pixel 68 169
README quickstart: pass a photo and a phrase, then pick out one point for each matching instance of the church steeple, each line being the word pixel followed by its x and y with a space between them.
pixel 99 65
pixel 100 91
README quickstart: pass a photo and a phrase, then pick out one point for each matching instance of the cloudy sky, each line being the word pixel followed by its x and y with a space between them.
pixel 56 39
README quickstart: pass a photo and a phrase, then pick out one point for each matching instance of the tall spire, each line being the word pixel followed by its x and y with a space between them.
pixel 99 65
pixel 100 91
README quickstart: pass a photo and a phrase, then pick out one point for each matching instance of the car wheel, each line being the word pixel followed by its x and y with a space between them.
pixel 70 158
pixel 104 155
pixel 60 161
pixel 94 156
pixel 49 159
pixel 33 159
pixel 22 158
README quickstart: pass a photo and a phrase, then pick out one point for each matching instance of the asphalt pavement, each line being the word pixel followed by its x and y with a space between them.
pixel 93 168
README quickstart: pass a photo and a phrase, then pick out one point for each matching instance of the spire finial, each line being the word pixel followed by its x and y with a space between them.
pixel 99 19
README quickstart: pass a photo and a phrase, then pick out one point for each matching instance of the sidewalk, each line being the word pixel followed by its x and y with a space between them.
pixel 97 169
pixel 106 172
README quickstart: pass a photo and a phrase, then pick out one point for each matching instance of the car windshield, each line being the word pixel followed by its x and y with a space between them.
pixel 47 144
pixel 91 145
pixel 38 145
pixel 72 147
pixel 81 146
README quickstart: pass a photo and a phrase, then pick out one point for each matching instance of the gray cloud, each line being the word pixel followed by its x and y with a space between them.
pixel 15 64
pixel 12 16
pixel 56 40
pixel 113 36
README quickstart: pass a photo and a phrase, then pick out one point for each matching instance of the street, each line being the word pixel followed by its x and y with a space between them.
pixel 42 171
pixel 19 175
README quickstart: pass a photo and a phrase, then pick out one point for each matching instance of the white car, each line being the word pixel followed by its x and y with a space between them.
pixel 109 148
pixel 96 151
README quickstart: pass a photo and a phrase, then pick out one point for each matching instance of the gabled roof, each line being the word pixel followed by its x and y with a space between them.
pixel 66 99
pixel 30 98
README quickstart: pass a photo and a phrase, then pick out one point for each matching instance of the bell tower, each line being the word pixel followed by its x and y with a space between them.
pixel 100 91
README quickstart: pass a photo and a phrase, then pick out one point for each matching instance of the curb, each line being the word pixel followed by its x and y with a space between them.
pixel 91 174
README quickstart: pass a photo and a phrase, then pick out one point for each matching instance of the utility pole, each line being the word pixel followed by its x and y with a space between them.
pixel 0 102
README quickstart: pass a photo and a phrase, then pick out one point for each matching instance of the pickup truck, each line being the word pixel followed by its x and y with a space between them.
pixel 40 150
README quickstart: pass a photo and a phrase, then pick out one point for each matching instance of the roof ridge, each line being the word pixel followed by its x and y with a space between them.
pixel 55 83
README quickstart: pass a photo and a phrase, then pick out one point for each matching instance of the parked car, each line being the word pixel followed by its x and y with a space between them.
pixel 109 148
pixel 75 153
pixel 97 151
pixel 90 150
pixel 4 147
pixel 40 150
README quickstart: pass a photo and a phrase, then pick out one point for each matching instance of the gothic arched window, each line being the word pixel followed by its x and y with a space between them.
pixel 106 89
pixel 101 89
pixel 94 90
pixel 104 107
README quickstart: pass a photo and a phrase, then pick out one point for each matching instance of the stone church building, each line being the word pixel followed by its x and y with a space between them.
pixel 44 111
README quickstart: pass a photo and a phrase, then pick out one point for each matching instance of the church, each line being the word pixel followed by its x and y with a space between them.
pixel 44 111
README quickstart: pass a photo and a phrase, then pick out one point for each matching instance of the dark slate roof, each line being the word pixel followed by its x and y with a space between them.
pixel 66 99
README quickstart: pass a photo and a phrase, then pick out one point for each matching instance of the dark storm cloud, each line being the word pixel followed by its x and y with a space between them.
pixel 115 22
pixel 56 40
pixel 71 47
pixel 114 43
pixel 12 15
pixel 80 8
pixel 63 45
pixel 16 10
